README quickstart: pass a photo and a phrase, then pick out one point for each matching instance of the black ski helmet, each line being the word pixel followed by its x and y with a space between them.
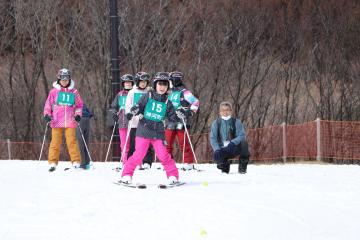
pixel 127 78
pixel 176 78
pixel 142 76
pixel 162 77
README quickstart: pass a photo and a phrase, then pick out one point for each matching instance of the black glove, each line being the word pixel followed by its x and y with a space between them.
pixel 77 118
pixel 180 113
pixel 218 155
pixel 129 116
pixel 134 110
pixel 189 113
pixel 230 148
pixel 115 116
pixel 47 118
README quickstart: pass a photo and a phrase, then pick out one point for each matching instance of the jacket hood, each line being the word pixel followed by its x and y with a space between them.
pixel 58 86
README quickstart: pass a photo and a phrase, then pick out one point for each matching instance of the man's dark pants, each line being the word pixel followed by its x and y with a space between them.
pixel 231 151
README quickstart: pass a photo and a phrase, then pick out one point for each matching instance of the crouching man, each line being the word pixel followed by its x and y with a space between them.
pixel 228 140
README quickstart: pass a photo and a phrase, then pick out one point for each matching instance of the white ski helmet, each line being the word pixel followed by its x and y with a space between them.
pixel 63 74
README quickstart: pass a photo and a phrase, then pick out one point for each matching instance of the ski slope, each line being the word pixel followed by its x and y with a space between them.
pixel 293 201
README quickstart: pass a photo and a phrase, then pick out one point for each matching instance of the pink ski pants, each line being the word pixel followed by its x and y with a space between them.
pixel 141 147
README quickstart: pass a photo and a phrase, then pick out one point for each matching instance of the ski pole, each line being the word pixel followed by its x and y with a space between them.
pixel 42 146
pixel 112 135
pixel 86 147
pixel 183 153
pixel 187 133
pixel 126 140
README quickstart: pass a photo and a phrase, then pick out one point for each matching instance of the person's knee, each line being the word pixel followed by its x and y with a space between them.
pixel 218 156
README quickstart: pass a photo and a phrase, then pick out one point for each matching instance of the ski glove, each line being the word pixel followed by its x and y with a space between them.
pixel 180 113
pixel 115 116
pixel 135 110
pixel 77 118
pixel 47 118
pixel 129 116
pixel 218 156
pixel 230 148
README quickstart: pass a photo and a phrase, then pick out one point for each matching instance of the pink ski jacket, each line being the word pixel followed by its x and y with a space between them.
pixel 63 104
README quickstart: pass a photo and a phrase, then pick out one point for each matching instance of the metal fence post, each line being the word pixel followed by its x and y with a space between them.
pixel 318 140
pixel 9 148
pixel 283 125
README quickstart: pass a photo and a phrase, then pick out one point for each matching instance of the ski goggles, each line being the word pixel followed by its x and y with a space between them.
pixel 127 77
pixel 162 76
pixel 64 77
pixel 144 77
pixel 176 76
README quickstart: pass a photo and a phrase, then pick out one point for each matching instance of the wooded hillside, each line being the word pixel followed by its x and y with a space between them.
pixel 275 60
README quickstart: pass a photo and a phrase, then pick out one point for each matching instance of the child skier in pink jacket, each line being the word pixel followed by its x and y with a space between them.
pixel 63 110
pixel 119 104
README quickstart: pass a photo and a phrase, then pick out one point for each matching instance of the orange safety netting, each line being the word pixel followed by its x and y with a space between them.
pixel 338 140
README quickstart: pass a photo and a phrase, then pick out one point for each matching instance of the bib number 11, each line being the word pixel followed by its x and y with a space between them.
pixel 66 99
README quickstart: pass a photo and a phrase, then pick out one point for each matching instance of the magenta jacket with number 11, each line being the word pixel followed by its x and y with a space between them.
pixel 63 104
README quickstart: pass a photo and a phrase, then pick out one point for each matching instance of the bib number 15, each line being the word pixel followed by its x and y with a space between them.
pixel 156 107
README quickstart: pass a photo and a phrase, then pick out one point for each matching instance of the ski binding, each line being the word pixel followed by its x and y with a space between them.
pixel 165 186
pixel 131 185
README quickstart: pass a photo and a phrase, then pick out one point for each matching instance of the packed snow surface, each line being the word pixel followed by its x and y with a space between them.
pixel 291 201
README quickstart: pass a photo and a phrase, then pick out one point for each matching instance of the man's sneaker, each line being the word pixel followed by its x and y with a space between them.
pixel 52 167
pixel 172 180
pixel 188 167
pixel 243 162
pixel 126 179
pixel 242 168
pixel 225 167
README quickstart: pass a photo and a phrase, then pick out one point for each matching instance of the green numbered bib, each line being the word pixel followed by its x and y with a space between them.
pixel 137 97
pixel 65 99
pixel 175 99
pixel 122 101
pixel 154 110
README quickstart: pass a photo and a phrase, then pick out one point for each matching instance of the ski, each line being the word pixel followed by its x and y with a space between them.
pixel 191 169
pixel 117 169
pixel 199 170
pixel 165 186
pixel 76 168
pixel 71 169
pixel 131 185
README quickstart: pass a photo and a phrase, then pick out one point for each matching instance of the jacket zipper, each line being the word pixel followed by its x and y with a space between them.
pixel 65 112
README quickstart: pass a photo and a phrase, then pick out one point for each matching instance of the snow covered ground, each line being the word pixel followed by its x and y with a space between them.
pixel 294 201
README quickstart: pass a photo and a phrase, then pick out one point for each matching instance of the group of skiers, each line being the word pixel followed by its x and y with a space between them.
pixel 146 114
